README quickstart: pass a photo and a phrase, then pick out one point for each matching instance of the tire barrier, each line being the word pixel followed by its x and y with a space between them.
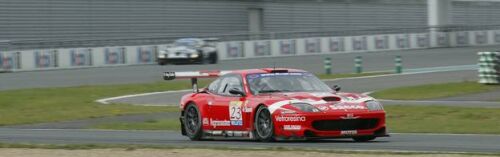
pixel 489 67
pixel 358 65
pixel 398 64
pixel 328 65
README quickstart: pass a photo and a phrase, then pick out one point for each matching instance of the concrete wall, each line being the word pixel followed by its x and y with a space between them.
pixel 46 59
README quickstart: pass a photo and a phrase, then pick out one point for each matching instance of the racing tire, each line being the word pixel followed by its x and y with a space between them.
pixel 263 123
pixel 192 122
pixel 161 63
pixel 364 138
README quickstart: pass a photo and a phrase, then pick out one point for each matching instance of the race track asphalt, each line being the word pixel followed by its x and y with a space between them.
pixel 342 63
pixel 397 142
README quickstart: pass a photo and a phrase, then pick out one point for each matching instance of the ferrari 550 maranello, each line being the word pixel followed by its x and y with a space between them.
pixel 275 104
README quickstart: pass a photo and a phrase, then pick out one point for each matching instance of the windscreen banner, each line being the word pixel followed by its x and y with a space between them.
pixel 114 55
pixel 146 54
pixel 10 60
pixel 46 58
pixel 81 57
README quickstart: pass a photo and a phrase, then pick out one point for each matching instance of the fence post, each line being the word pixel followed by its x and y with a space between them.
pixel 328 65
pixel 398 64
pixel 358 61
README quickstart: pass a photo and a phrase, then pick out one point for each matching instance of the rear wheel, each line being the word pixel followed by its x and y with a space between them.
pixel 364 138
pixel 264 128
pixel 192 122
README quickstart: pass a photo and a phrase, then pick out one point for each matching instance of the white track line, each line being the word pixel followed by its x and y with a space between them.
pixel 105 100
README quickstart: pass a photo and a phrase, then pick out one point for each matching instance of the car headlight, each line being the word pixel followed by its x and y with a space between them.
pixel 373 105
pixel 194 55
pixel 305 107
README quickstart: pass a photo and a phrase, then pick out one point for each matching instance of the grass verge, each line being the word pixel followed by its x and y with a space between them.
pixel 403 119
pixel 441 119
pixel 432 91
pixel 58 104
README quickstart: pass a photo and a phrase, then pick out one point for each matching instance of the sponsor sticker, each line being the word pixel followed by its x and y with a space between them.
pixel 216 123
pixel 247 109
pixel 292 127
pixel 347 107
pixel 205 121
pixel 235 114
pixel 290 118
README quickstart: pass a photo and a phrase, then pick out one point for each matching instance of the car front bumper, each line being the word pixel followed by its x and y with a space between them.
pixel 330 125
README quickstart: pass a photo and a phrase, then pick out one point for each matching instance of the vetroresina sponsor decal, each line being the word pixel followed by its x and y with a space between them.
pixel 282 118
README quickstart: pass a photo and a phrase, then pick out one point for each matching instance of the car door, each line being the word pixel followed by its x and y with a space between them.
pixel 226 108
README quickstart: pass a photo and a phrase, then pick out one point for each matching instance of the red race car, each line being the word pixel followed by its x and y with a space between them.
pixel 269 104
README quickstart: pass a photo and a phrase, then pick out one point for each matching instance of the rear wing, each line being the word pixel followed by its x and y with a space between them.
pixel 210 39
pixel 194 75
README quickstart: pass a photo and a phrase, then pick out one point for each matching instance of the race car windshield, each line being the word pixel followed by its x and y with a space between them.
pixel 285 82
pixel 187 43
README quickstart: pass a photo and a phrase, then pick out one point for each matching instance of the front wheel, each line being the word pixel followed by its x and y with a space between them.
pixel 364 138
pixel 192 122
pixel 264 128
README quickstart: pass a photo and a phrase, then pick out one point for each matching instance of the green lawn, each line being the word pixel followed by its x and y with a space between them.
pixel 433 91
pixel 402 119
pixel 439 119
pixel 59 104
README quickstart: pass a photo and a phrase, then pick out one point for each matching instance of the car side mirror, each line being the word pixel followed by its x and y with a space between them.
pixel 236 91
pixel 336 88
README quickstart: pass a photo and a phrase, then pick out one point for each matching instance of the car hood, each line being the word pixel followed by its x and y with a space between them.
pixel 325 101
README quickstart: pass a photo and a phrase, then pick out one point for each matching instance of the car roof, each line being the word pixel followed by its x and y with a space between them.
pixel 189 40
pixel 265 70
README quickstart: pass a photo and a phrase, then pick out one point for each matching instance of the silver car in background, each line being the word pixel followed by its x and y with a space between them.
pixel 188 51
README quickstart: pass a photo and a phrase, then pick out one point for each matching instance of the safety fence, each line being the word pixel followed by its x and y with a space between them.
pixel 64 58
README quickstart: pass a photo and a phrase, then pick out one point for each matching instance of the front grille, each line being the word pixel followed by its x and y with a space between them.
pixel 347 124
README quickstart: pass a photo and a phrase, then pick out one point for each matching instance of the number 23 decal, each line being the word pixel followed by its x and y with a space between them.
pixel 235 114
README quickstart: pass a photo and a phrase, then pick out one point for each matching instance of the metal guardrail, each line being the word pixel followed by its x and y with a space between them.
pixel 165 39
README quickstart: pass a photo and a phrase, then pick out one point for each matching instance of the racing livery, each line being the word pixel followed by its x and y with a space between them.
pixel 272 104
pixel 189 50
